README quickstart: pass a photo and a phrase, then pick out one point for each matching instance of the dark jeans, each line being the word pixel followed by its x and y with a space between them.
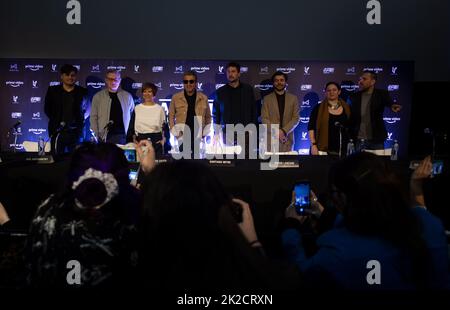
pixel 64 142
pixel 369 145
pixel 155 138
pixel 116 138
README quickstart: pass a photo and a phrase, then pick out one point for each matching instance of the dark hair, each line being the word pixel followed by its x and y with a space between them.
pixel 333 83
pixel 67 69
pixel 235 65
pixel 190 72
pixel 373 74
pixel 105 157
pixel 189 237
pixel 279 73
pixel 148 85
pixel 377 205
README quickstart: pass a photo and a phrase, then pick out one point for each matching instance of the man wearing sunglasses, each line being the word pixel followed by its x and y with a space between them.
pixel 187 108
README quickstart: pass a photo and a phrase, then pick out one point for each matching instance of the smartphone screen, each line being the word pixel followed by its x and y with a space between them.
pixel 130 154
pixel 302 199
pixel 133 174
pixel 438 166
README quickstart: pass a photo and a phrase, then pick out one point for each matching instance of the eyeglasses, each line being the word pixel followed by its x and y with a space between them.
pixel 112 80
pixel 188 81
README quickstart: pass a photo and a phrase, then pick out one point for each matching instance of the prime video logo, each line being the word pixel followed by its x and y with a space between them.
pixel 118 68
pixel 219 86
pixel 14 83
pixel 200 69
pixel 95 85
pixel 177 86
pixel 34 67
pixel 263 86
pixel 37 131
pixel 304 120
pixel 350 88
pixel 391 120
pixel 286 70
pixel 376 70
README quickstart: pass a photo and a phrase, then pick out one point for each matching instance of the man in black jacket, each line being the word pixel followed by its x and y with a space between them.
pixel 65 105
pixel 234 103
pixel 367 108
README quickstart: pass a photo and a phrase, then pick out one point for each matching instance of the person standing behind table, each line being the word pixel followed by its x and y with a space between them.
pixel 147 120
pixel 281 108
pixel 111 110
pixel 367 108
pixel 234 104
pixel 326 120
pixel 64 106
pixel 187 108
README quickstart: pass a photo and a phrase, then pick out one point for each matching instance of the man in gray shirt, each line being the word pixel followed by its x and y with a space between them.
pixel 111 110
pixel 367 108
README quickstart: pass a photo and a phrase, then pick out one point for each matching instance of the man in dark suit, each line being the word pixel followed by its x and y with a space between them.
pixel 367 107
pixel 65 106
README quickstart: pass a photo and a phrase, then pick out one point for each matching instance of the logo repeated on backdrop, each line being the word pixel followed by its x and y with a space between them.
pixel 179 69
pixel 156 69
pixel 351 71
pixel 13 68
pixel 306 70
pixel 394 70
pixel 36 116
pixel 200 69
pixel 286 70
pixel 34 67
pixel 328 70
pixel 95 68
pixel 14 84
pixel 304 83
pixel 393 87
pixel 375 69
pixel 35 99
pixel 264 70
pixel 305 87
pixel 304 136
pixel 16 115
pixel 263 86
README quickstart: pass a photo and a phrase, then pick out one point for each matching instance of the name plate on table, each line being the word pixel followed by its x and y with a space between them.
pixel 221 163
pixel 285 164
pixel 46 159
pixel 161 161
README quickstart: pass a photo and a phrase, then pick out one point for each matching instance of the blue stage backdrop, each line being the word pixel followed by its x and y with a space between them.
pixel 24 82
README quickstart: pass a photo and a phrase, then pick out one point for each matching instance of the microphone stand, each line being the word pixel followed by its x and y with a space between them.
pixel 340 142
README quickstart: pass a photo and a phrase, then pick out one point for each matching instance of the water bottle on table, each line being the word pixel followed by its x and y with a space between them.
pixel 394 151
pixel 41 147
pixel 350 147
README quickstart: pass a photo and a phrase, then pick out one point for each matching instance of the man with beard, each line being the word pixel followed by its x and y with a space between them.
pixel 367 108
pixel 281 108
pixel 234 104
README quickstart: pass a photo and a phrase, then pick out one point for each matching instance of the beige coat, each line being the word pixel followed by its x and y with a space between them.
pixel 291 117
pixel 178 111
